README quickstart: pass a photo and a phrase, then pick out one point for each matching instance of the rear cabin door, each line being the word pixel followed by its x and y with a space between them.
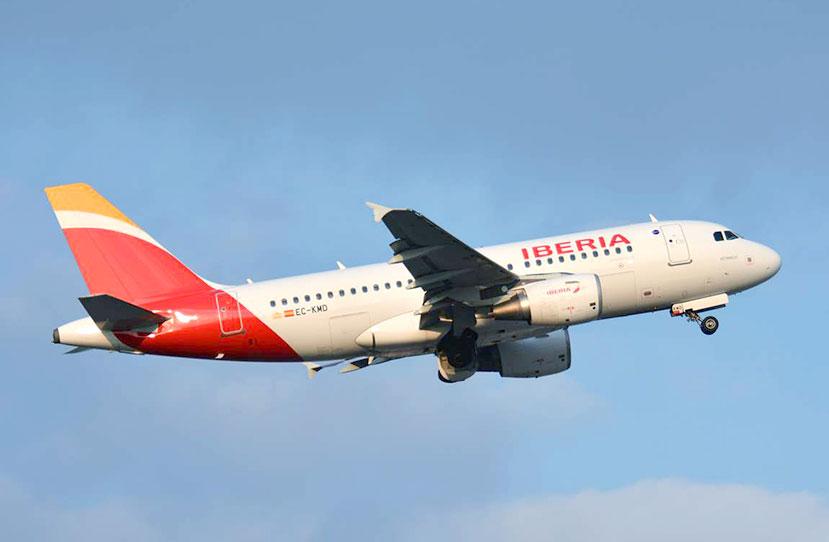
pixel 230 316
pixel 676 244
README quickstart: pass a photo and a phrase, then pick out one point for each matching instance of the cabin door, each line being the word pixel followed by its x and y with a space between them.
pixel 676 244
pixel 230 315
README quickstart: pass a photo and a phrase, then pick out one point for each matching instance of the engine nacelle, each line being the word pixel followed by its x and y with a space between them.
pixel 528 358
pixel 559 302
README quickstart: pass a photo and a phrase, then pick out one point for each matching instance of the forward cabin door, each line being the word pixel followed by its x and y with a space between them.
pixel 230 316
pixel 676 244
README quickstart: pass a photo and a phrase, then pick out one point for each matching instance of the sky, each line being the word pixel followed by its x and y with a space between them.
pixel 246 138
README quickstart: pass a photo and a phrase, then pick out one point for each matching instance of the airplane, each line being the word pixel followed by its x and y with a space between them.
pixel 505 308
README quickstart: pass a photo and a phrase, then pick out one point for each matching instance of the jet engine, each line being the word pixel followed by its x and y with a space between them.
pixel 559 302
pixel 528 358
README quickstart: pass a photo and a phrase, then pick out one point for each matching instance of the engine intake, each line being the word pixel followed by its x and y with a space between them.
pixel 559 302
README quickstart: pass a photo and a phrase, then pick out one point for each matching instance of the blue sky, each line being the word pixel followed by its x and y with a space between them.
pixel 246 139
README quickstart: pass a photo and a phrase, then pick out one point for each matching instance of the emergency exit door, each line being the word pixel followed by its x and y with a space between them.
pixel 230 316
pixel 676 244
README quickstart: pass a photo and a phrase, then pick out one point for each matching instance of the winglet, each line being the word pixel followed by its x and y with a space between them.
pixel 379 210
pixel 340 265
pixel 653 218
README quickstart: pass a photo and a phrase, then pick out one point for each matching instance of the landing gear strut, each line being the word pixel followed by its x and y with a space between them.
pixel 709 325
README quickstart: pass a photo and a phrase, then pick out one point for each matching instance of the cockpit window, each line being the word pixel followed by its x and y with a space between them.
pixel 730 235
pixel 718 236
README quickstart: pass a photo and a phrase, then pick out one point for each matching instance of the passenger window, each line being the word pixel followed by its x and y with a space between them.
pixel 572 257
pixel 353 291
pixel 595 253
pixel 583 255
pixel 284 301
pixel 718 236
pixel 561 259
pixel 607 252
pixel 527 263
pixel 307 297
pixel 398 284
pixel 730 235
pixel 509 266
pixel 538 262
pixel 273 303
pixel 410 281
pixel 330 295
pixel 618 250
pixel 630 248
pixel 318 296
pixel 550 261
pixel 296 300
pixel 342 293
pixel 365 289
pixel 376 287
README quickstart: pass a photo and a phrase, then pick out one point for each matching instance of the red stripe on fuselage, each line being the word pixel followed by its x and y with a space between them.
pixel 193 331
pixel 142 273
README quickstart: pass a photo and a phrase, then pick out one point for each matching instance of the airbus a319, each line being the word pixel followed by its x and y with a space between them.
pixel 504 308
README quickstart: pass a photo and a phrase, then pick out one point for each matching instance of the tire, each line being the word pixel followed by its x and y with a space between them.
pixel 709 325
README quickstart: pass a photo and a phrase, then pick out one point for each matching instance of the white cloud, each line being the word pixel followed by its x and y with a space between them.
pixel 24 517
pixel 656 510
pixel 653 510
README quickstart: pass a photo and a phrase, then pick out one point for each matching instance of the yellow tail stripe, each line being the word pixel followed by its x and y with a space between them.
pixel 82 197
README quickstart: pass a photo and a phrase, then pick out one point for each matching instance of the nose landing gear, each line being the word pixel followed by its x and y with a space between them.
pixel 708 325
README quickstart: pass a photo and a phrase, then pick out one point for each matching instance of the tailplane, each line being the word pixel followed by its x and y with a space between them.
pixel 114 254
pixel 112 314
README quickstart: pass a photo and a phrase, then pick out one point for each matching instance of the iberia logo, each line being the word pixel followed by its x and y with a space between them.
pixel 572 287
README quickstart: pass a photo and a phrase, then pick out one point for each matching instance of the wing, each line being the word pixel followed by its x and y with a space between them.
pixel 438 261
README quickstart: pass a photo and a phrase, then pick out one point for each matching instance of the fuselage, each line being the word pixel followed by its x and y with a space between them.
pixel 642 268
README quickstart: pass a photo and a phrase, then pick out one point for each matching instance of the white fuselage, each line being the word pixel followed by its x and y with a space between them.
pixel 663 263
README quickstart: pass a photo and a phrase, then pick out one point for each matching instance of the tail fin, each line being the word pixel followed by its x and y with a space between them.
pixel 114 254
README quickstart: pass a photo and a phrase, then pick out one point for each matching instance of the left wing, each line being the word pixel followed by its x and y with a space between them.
pixel 438 261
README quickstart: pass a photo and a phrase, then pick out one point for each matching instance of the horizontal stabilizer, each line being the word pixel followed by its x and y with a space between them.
pixel 112 314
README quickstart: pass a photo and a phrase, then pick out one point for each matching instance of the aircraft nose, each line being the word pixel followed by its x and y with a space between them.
pixel 772 261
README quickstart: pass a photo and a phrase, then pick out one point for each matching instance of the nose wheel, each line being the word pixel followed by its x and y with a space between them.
pixel 708 325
